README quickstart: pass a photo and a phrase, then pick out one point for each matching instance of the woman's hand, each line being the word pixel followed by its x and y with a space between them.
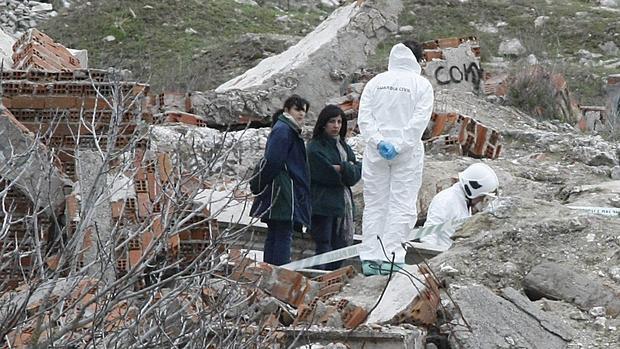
pixel 337 168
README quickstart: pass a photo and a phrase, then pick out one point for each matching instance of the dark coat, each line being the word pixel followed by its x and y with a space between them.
pixel 327 185
pixel 285 178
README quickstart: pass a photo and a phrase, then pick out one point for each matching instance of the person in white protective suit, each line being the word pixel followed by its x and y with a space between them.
pixel 395 109
pixel 475 183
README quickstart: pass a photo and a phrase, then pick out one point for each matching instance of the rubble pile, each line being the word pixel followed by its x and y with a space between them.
pixel 17 16
pixel 147 193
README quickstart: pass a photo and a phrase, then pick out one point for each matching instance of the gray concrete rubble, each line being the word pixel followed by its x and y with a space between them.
pixel 497 322
pixel 337 47
pixel 17 16
pixel 28 163
pixel 96 215
pixel 6 49
pixel 236 151
pixel 557 281
pixel 363 338
pixel 605 194
pixel 550 323
pixel 410 291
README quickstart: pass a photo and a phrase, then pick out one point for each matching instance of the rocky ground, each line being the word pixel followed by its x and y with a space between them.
pixel 544 166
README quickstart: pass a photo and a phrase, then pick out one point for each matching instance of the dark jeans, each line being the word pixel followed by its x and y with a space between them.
pixel 327 238
pixel 277 249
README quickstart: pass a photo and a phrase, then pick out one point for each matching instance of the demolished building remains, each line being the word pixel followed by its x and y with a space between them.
pixel 121 192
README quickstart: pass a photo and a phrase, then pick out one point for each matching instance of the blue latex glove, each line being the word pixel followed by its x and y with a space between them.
pixel 387 150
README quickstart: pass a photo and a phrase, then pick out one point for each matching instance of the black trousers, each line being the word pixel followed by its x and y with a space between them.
pixel 326 235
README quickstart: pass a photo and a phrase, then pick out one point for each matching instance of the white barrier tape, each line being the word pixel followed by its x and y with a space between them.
pixel 607 211
pixel 324 258
pixel 443 230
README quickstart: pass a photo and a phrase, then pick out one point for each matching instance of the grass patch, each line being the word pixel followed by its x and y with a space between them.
pixel 154 39
pixel 573 25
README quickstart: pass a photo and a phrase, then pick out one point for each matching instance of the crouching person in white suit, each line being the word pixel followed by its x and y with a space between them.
pixel 475 183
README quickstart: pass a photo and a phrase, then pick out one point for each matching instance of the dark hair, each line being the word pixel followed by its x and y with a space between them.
pixel 416 48
pixel 329 112
pixel 292 101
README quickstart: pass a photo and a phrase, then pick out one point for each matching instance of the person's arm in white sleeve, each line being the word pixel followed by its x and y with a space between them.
pixel 437 213
pixel 419 119
pixel 366 118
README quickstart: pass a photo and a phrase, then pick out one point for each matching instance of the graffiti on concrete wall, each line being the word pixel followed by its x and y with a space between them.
pixel 456 74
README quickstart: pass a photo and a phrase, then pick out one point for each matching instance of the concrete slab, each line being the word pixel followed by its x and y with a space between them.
pixel 498 323
pixel 459 70
pixel 387 338
pixel 337 47
pixel 407 287
pixel 6 50
pixel 27 162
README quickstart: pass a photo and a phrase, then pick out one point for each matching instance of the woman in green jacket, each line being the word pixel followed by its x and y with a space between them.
pixel 333 170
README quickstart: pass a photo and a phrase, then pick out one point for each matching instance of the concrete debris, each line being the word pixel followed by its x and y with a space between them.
pixel 351 30
pixel 496 322
pixel 6 49
pixel 557 281
pixel 362 338
pixel 335 309
pixel 550 323
pixel 17 16
pixel 540 21
pixel 411 283
pixel 453 63
pixel 511 47
pixel 610 48
pixel 81 55
pixel 29 164
pixel 593 118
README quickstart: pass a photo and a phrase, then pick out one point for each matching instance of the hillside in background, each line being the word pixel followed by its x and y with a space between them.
pixel 196 45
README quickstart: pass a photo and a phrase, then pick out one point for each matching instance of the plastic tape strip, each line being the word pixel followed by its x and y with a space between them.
pixel 446 229
pixel 607 211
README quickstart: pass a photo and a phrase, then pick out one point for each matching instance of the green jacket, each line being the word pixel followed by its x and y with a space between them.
pixel 326 184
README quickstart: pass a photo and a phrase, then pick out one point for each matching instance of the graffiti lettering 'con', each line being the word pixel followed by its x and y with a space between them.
pixel 457 74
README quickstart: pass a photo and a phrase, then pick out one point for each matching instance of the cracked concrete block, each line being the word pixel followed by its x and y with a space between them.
pixel 498 323
pixel 460 69
pixel 81 55
pixel 549 322
pixel 556 281
pixel 97 213
pixel 342 42
pixel 25 160
pixel 6 50
pixel 411 296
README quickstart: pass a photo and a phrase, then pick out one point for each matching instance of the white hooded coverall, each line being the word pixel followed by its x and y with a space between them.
pixel 395 107
pixel 448 204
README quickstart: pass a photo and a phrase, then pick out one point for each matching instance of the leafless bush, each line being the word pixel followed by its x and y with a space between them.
pixel 533 92
pixel 114 273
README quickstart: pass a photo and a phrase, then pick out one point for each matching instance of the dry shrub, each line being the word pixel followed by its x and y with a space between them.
pixel 532 91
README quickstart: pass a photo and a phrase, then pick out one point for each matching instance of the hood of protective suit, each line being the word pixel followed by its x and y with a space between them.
pixel 401 58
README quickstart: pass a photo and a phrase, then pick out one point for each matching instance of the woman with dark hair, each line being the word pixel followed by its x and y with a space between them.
pixel 333 170
pixel 284 182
